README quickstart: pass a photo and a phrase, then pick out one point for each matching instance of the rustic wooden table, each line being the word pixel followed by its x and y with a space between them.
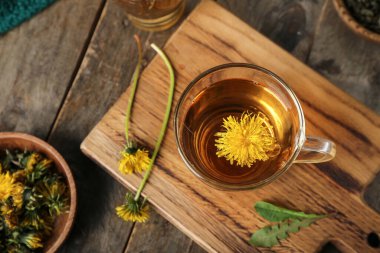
pixel 62 70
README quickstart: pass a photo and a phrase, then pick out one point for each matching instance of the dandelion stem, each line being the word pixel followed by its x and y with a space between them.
pixel 135 79
pixel 165 121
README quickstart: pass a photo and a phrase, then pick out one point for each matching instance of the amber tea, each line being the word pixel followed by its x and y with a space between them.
pixel 239 126
pixel 233 97
pixel 153 15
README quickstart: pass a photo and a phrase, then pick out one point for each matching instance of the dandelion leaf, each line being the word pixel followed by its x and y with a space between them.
pixel 269 236
pixel 276 214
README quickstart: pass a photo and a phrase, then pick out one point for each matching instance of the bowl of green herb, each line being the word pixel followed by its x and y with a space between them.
pixel 37 195
pixel 361 16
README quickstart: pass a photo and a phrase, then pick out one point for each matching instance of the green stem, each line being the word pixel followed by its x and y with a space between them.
pixel 164 123
pixel 135 79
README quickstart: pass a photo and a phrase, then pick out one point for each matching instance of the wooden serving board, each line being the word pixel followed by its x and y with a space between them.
pixel 223 221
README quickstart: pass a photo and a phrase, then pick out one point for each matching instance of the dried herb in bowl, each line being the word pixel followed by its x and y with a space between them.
pixel 32 195
pixel 366 12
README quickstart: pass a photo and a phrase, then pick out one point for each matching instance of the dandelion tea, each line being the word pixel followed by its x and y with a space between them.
pixel 154 15
pixel 233 97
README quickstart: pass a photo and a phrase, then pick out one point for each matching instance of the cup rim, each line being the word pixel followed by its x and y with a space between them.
pixel 300 137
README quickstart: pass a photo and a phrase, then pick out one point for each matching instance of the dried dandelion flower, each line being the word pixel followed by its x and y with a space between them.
pixel 32 219
pixel 31 240
pixel 10 220
pixel 10 188
pixel 246 140
pixel 19 175
pixel 31 198
pixel 44 164
pixel 54 194
pixel 32 160
pixel 133 210
pixel 6 186
pixel 6 209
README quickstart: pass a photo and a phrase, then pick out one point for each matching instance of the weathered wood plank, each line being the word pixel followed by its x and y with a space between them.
pixel 195 248
pixel 214 219
pixel 38 60
pixel 104 74
pixel 290 24
pixel 175 240
pixel 348 60
pixel 157 235
pixel 97 228
pixel 353 64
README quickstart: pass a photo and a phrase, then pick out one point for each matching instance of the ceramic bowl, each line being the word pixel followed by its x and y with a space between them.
pixel 345 15
pixel 64 222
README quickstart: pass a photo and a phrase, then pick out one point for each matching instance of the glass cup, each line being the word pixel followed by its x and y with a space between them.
pixel 301 148
pixel 153 15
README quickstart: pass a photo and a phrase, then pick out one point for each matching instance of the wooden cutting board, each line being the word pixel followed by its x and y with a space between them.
pixel 223 221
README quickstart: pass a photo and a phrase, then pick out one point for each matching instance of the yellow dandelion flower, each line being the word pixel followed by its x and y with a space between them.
pixel 32 241
pixel 9 215
pixel 10 221
pixel 134 160
pixel 51 190
pixel 57 188
pixel 6 209
pixel 246 140
pixel 44 164
pixel 31 221
pixel 9 187
pixel 54 193
pixel 32 160
pixel 19 175
pixel 132 210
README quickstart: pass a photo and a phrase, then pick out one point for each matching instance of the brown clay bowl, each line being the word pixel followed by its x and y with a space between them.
pixel 345 15
pixel 65 221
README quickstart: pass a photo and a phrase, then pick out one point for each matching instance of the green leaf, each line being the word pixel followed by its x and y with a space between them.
pixel 275 214
pixel 269 236
pixel 288 221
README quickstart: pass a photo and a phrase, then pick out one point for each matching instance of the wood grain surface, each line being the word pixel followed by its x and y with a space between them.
pixel 348 60
pixel 39 67
pixel 38 61
pixel 290 24
pixel 211 217
pixel 103 75
pixel 353 24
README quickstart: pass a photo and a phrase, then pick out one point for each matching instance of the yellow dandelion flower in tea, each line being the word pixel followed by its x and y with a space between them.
pixel 133 210
pixel 134 160
pixel 246 140
pixel 10 188
pixel 32 241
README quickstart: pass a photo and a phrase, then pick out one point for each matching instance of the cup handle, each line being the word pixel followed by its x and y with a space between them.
pixel 316 150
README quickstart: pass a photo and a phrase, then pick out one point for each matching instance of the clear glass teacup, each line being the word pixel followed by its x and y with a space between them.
pixel 232 89
pixel 153 15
